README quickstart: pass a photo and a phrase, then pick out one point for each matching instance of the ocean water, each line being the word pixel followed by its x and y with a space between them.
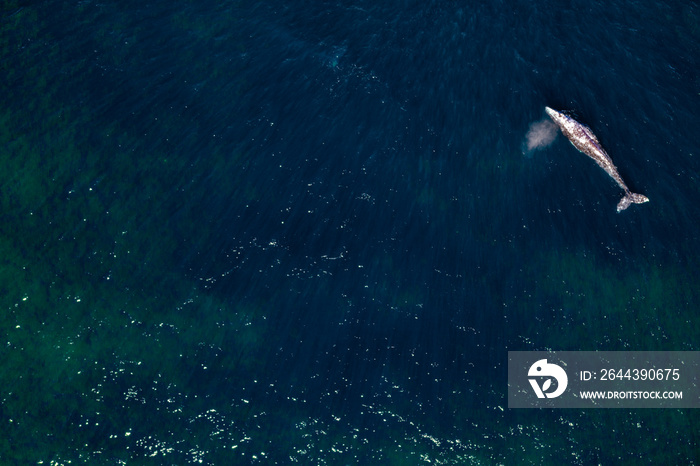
pixel 309 232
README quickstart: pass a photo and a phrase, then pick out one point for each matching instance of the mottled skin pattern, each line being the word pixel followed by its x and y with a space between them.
pixel 584 140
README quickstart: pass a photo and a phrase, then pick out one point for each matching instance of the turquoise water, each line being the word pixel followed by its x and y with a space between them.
pixel 260 232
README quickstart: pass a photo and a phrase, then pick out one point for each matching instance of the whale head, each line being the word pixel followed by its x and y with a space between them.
pixel 559 118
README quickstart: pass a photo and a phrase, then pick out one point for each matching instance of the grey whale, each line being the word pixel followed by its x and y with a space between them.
pixel 584 140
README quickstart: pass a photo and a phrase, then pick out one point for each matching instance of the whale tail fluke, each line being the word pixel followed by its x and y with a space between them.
pixel 629 199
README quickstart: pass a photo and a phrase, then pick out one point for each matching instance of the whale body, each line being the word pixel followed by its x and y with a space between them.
pixel 584 140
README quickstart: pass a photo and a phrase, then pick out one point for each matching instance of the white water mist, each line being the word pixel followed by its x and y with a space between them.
pixel 540 135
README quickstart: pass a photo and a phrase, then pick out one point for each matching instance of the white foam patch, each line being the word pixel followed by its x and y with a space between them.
pixel 540 135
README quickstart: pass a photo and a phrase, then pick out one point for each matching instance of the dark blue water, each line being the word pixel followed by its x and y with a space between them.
pixel 262 232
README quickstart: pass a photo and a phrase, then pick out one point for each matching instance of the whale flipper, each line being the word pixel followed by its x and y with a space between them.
pixel 629 198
